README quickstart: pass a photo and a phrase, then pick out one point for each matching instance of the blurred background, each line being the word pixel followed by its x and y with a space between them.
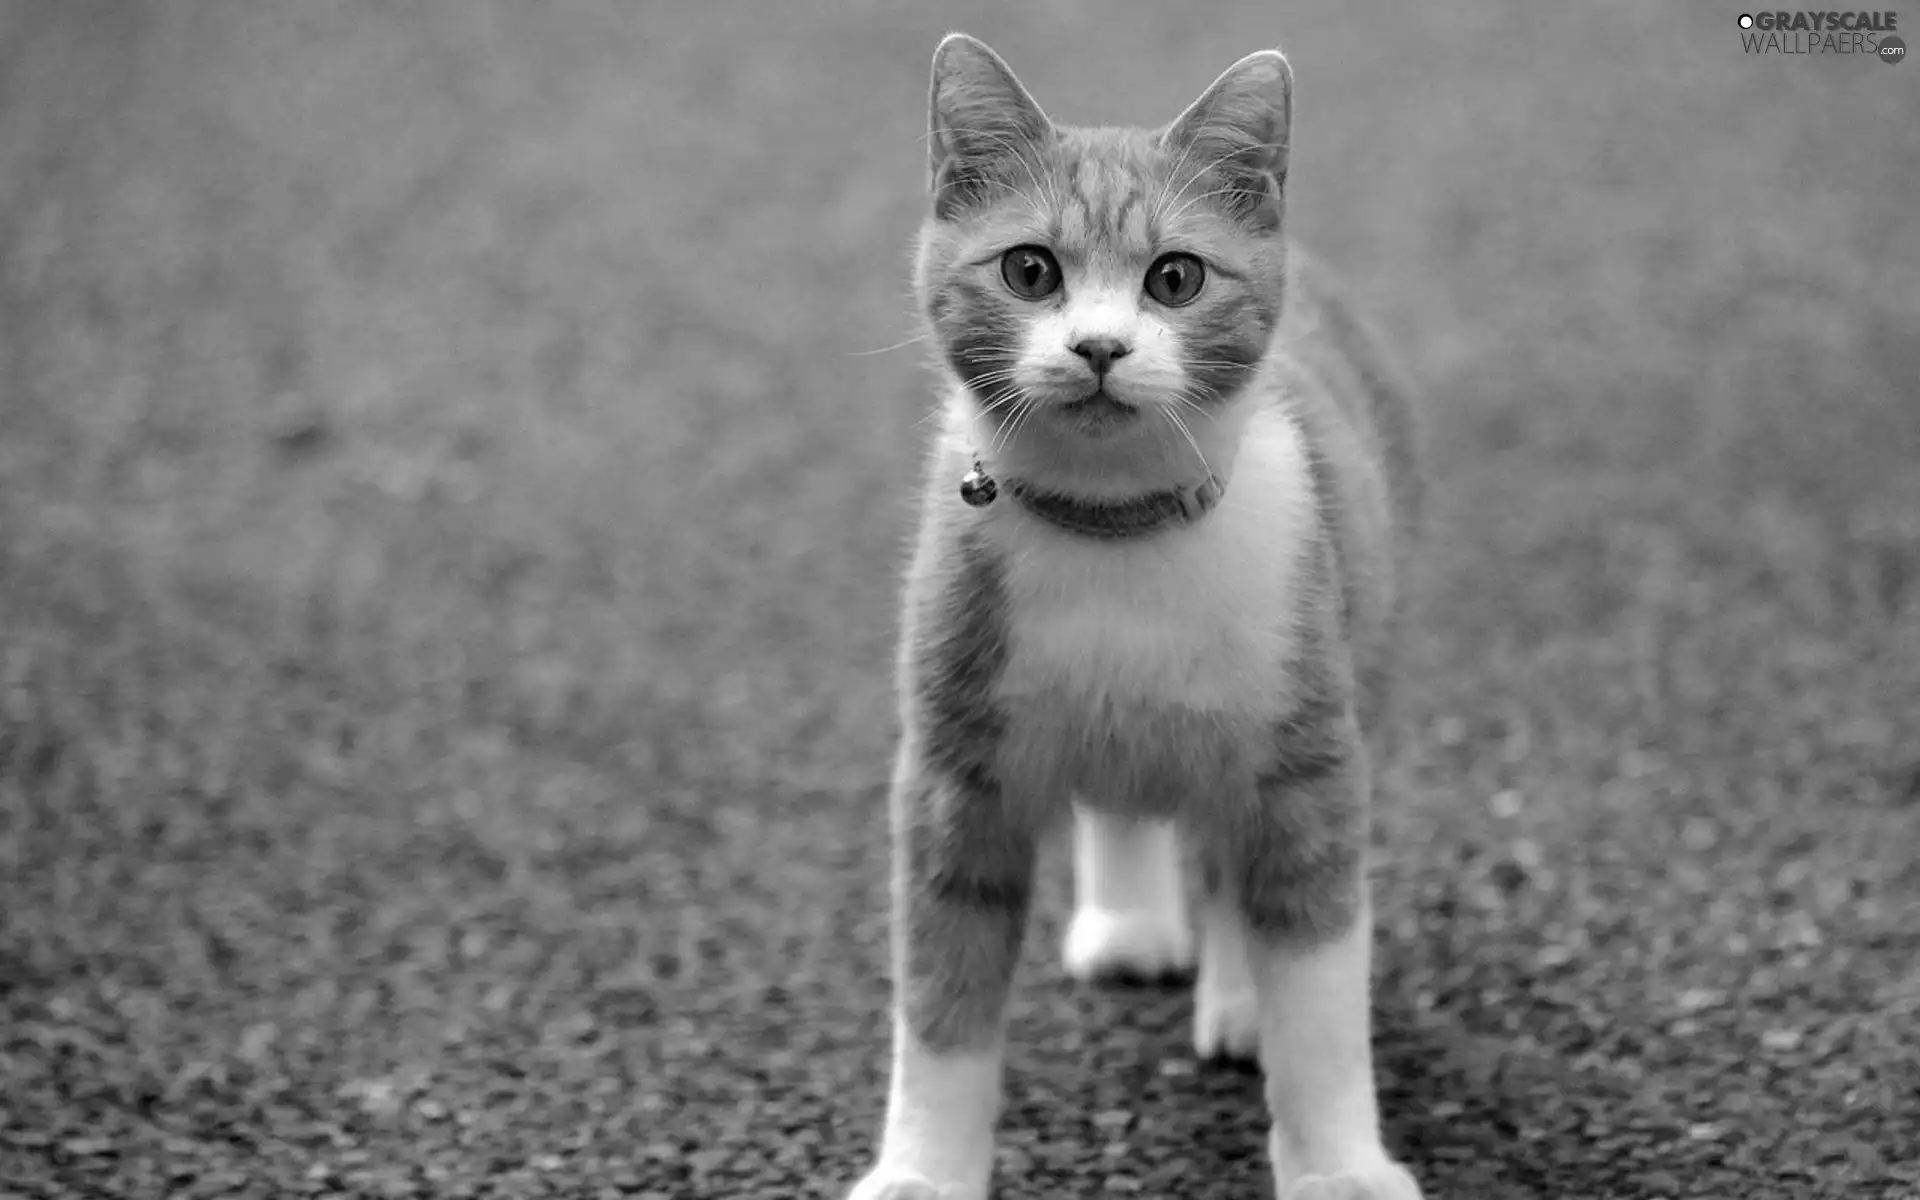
pixel 453 485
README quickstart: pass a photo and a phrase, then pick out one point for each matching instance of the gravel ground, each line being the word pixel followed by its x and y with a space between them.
pixel 449 516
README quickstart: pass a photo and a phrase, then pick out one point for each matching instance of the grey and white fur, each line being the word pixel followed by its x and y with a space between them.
pixel 1122 317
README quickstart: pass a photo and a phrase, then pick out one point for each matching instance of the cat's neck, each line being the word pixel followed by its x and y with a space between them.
pixel 1118 519
pixel 1169 478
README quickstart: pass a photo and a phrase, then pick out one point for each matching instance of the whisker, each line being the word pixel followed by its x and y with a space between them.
pixel 928 417
pixel 1020 153
pixel 1203 392
pixel 991 378
pixel 1181 425
pixel 1005 431
pixel 1032 200
pixel 887 349
pixel 1192 179
pixel 1161 202
pixel 1021 408
pixel 1008 395
pixel 1027 147
pixel 1188 403
pixel 1236 152
pixel 1022 413
pixel 1226 191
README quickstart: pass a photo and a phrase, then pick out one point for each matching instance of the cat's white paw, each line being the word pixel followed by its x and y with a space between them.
pixel 1388 1181
pixel 1226 1023
pixel 893 1184
pixel 1142 944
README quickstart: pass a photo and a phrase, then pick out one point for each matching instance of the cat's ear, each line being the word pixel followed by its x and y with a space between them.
pixel 977 113
pixel 1240 127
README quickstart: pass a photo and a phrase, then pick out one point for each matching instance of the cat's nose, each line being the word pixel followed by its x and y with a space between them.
pixel 1101 351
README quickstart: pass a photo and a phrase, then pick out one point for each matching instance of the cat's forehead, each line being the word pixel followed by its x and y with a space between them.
pixel 1104 178
pixel 1102 199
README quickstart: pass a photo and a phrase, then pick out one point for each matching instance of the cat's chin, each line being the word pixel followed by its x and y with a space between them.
pixel 1099 415
pixel 1104 454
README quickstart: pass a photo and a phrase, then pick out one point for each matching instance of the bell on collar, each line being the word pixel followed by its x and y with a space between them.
pixel 977 488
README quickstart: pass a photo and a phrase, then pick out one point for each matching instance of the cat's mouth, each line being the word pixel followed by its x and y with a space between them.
pixel 1098 398
pixel 1097 414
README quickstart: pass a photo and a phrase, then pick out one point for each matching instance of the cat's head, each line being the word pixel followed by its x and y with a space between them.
pixel 1090 286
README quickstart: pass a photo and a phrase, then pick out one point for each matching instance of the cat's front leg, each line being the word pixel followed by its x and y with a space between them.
pixel 1293 875
pixel 963 879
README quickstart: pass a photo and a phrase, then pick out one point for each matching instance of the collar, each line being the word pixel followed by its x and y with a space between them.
pixel 1116 520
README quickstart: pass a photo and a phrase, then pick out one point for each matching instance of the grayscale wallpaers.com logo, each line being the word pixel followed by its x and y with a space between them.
pixel 1868 34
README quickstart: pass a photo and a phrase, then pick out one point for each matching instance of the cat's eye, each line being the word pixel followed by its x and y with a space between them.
pixel 1031 273
pixel 1175 279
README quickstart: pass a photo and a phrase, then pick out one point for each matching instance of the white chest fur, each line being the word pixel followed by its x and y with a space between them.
pixel 1198 618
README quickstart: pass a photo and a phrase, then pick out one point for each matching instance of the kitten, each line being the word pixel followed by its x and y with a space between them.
pixel 1165 605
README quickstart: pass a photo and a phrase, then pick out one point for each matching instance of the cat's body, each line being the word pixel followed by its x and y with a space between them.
pixel 1173 617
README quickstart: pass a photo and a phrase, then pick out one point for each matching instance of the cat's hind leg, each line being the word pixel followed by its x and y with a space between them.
pixel 1130 909
pixel 1226 1010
